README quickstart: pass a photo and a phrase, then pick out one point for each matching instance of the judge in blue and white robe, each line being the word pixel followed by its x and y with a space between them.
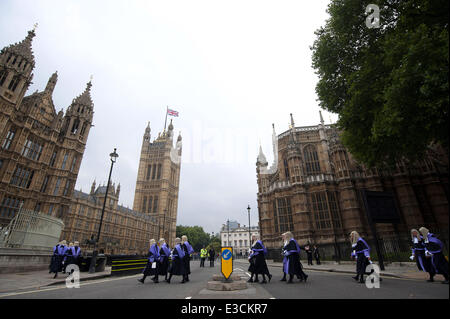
pixel 177 267
pixel 151 269
pixel 434 247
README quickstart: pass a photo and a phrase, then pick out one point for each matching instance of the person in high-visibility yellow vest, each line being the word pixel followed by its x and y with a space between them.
pixel 203 255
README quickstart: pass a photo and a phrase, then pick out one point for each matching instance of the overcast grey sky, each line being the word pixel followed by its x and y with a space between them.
pixel 230 68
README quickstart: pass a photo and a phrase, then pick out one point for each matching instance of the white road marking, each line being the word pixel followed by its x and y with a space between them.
pixel 188 297
pixel 63 286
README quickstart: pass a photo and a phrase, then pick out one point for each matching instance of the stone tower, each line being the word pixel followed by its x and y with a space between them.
pixel 41 148
pixel 158 181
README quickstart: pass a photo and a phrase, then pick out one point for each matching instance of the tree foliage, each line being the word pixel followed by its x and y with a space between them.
pixel 389 85
pixel 195 234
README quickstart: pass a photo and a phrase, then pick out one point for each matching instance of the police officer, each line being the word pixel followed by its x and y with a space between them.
pixel 203 255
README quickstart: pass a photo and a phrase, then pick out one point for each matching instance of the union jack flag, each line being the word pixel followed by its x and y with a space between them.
pixel 172 112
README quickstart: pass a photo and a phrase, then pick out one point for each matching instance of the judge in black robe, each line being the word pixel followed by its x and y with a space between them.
pixel 418 253
pixel 291 261
pixel 177 267
pixel 164 254
pixel 434 247
pixel 76 253
pixel 55 262
pixel 68 259
pixel 151 268
pixel 361 251
pixel 257 261
pixel 188 250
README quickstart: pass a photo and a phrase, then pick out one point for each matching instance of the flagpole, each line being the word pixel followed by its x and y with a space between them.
pixel 165 122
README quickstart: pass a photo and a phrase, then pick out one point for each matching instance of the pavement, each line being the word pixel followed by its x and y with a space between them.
pixel 14 282
pixel 404 270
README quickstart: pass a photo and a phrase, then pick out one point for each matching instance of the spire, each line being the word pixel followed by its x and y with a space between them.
pixel 321 118
pixel 261 157
pixel 179 137
pixel 23 48
pixel 51 83
pixel 85 97
pixel 93 187
pixel 292 122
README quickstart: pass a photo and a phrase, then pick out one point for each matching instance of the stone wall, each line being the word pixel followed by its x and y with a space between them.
pixel 15 260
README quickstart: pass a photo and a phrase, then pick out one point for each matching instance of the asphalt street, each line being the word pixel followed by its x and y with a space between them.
pixel 320 285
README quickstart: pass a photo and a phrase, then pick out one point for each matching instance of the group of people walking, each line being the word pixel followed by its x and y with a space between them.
pixel 426 250
pixel 163 261
pixel 291 260
pixel 158 260
pixel 63 256
pixel 210 254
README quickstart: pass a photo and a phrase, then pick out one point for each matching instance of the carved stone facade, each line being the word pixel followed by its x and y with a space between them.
pixel 313 189
pixel 41 149
pixel 158 181
pixel 124 231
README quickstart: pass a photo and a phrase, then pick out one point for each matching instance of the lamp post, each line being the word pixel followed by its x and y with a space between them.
pixel 249 236
pixel 228 235
pixel 114 157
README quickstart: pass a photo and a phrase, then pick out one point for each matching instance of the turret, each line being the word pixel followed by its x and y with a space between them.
pixel 51 83
pixel 79 115
pixel 16 65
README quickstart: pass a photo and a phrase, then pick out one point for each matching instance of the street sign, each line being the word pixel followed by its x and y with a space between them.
pixel 227 261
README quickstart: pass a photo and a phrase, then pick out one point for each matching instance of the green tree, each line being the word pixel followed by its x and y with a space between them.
pixel 389 85
pixel 195 234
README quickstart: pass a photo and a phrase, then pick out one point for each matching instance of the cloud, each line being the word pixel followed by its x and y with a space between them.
pixel 230 68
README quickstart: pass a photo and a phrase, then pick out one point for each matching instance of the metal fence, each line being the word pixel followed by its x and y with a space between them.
pixel 31 229
pixel 396 248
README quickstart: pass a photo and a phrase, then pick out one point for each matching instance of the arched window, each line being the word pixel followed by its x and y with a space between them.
pixel 14 82
pixel 75 126
pixel 311 160
pixel 3 76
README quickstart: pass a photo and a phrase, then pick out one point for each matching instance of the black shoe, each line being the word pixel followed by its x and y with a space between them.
pixel 250 280
pixel 183 281
pixel 270 277
pixel 56 275
pixel 356 278
pixel 141 280
pixel 256 280
pixel 168 281
pixel 155 280
pixel 306 277
pixel 264 282
pixel 283 279
pixel 290 281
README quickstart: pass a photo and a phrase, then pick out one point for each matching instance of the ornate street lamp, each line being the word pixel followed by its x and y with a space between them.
pixel 114 157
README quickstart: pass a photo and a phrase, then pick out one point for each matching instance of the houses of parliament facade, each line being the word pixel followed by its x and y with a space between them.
pixel 314 188
pixel 40 156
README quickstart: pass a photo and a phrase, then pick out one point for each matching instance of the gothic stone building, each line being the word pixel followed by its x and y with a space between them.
pixel 41 149
pixel 314 189
pixel 124 231
pixel 158 181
